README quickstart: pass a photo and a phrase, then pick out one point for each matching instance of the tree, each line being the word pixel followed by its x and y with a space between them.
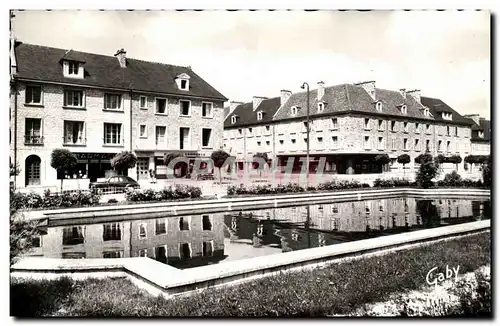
pixel 404 159
pixel 62 160
pixel 262 156
pixel 169 157
pixel 428 170
pixel 219 157
pixel 456 159
pixel 382 159
pixel 123 161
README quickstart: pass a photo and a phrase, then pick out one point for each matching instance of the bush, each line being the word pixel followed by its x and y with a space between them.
pixel 123 161
pixel 487 175
pixel 395 182
pixel 180 192
pixel 452 179
pixel 427 172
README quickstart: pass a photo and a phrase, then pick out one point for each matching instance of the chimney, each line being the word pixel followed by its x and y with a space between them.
pixel 13 63
pixel 403 92
pixel 233 105
pixel 321 90
pixel 473 117
pixel 415 94
pixel 121 55
pixel 369 87
pixel 257 100
pixel 285 95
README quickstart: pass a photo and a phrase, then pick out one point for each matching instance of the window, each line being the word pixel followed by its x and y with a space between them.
pixel 428 128
pixel 405 144
pixel 74 133
pixel 335 142
pixel 143 253
pixel 293 110
pixel 112 254
pixel 447 130
pixel 367 142
pixel 143 102
pixel 480 134
pixel 335 209
pixel 448 146
pixel 393 144
pixel 240 131
pixel 73 99
pixel 268 143
pixel 208 248
pixel 183 223
pixel 292 138
pixel 142 230
pixel 73 235
pixel 161 106
pixel 73 68
pixel 440 145
pixel 405 126
pixel 268 128
pixel 335 123
pixel 320 140
pixel 33 131
pixel 417 128
pixel 233 120
pixel 33 94
pixel 143 132
pixel 404 109
pixel 428 145
pixel 184 139
pixel 281 141
pixel 206 137
pixel 380 143
pixel 367 123
pixel 456 131
pixel 112 133
pixel 426 112
pixel 393 125
pixel 457 147
pixel 206 110
pixel 185 107
pixel 184 84
pixel 160 133
pixel 378 106
pixel 112 102
pixel 185 251
pixel 321 107
pixel 111 232
pixel 207 224
pixel 417 145
pixel 305 125
pixel 447 116
pixel 160 226
pixel 381 125
pixel 258 143
pixel 259 115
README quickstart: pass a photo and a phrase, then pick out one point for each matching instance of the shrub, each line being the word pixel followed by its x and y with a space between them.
pixel 123 161
pixel 61 160
pixel 395 182
pixel 403 159
pixel 452 179
pixel 427 172
pixel 219 158
pixel 180 192
pixel 487 175
pixel 33 200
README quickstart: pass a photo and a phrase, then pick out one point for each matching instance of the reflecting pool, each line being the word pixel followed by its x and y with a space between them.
pixel 189 241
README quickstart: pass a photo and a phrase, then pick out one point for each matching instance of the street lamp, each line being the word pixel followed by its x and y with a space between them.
pixel 304 85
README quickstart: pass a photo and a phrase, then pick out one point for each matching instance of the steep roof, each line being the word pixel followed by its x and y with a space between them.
pixel 484 126
pixel 248 116
pixel 436 106
pixel 42 63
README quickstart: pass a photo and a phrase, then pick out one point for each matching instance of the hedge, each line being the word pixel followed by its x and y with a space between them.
pixel 179 192
pixel 50 200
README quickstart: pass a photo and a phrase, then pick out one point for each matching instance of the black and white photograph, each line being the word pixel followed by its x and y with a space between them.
pixel 249 163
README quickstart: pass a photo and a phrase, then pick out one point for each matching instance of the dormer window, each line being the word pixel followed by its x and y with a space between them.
pixel 259 115
pixel 321 107
pixel 72 63
pixel 404 109
pixel 294 110
pixel 481 134
pixel 378 106
pixel 426 112
pixel 73 68
pixel 183 82
pixel 233 119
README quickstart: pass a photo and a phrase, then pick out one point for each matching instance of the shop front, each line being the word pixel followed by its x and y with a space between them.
pixel 91 166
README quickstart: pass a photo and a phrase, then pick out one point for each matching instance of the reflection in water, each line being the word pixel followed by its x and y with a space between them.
pixel 188 241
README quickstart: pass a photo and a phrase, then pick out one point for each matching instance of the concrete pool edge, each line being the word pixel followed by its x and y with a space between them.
pixel 153 210
pixel 157 278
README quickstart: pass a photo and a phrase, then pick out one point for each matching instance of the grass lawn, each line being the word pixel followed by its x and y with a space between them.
pixel 336 289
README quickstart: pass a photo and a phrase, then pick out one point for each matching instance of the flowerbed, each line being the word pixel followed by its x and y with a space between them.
pixel 292 188
pixel 179 192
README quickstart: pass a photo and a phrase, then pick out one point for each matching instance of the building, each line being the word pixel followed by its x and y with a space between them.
pixel 350 124
pixel 481 135
pixel 98 105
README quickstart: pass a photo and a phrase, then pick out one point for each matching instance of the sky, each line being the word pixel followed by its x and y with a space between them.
pixel 445 54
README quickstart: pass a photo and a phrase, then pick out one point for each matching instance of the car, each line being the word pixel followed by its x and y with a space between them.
pixel 116 181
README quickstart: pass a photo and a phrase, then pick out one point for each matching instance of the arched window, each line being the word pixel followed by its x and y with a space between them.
pixel 294 110
pixel 403 109
pixel 32 170
pixel 378 106
pixel 233 119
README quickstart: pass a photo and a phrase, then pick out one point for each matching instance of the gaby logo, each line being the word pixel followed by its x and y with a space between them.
pixel 434 278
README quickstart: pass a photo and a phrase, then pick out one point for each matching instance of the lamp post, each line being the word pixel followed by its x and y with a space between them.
pixel 305 85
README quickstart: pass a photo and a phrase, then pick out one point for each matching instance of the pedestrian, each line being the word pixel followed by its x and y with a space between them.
pixel 153 176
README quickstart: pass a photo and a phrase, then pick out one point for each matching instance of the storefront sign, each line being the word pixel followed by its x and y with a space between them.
pixel 94 156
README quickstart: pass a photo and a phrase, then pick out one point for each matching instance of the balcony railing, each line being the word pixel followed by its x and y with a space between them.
pixel 33 140
pixel 70 141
